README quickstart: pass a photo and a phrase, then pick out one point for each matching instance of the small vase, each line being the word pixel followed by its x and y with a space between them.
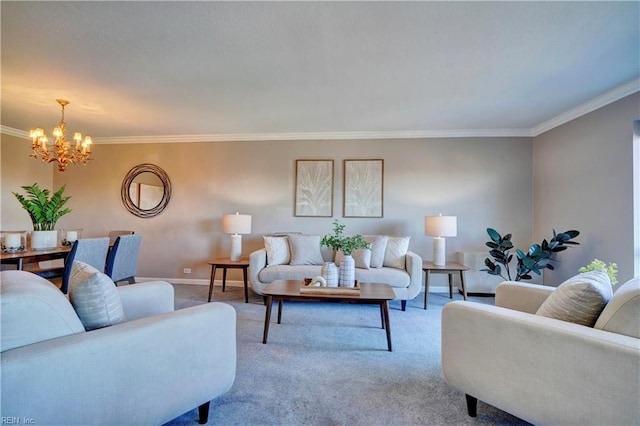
pixel 347 271
pixel 329 272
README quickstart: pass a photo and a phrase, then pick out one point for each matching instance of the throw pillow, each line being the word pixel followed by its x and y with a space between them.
pixel 378 248
pixel 580 299
pixel 94 297
pixel 622 313
pixel 361 257
pixel 305 250
pixel 396 251
pixel 277 250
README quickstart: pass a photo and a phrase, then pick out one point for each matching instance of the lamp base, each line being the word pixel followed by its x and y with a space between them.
pixel 439 256
pixel 236 247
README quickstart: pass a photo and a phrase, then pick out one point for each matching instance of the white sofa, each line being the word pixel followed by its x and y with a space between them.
pixel 544 370
pixel 406 282
pixel 152 368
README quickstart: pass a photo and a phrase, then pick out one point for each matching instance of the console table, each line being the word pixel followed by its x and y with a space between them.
pixel 449 268
pixel 19 258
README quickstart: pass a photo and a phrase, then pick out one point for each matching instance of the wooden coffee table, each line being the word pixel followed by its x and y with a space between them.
pixel 370 294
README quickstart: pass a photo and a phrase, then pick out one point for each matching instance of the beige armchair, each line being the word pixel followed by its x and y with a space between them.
pixel 544 370
pixel 152 368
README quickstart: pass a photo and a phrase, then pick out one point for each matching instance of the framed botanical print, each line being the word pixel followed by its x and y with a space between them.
pixel 363 188
pixel 314 188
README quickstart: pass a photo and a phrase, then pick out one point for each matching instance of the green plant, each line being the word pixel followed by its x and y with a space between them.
pixel 536 259
pixel 338 241
pixel 598 265
pixel 44 210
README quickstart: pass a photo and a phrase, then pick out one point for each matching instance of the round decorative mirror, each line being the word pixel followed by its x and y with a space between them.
pixel 146 190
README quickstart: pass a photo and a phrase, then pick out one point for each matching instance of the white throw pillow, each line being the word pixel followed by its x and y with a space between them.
pixel 361 257
pixel 378 248
pixel 622 313
pixel 305 250
pixel 277 250
pixel 94 297
pixel 396 251
pixel 580 299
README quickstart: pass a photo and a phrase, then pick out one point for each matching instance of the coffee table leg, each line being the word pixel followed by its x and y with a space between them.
pixel 213 275
pixel 464 286
pixel 386 321
pixel 279 311
pixel 267 319
pixel 382 315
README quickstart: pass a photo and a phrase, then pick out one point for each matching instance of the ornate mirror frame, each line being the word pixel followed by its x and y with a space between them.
pixel 128 180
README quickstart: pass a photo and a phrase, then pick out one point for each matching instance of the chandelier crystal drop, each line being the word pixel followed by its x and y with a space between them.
pixel 60 150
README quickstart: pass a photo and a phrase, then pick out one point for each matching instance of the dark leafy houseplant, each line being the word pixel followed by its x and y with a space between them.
pixel 43 208
pixel 536 259
pixel 338 241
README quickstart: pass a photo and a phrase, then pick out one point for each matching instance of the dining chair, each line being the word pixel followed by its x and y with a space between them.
pixel 122 261
pixel 92 251
pixel 115 234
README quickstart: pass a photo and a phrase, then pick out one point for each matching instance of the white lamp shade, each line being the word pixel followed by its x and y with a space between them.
pixel 236 223
pixel 441 226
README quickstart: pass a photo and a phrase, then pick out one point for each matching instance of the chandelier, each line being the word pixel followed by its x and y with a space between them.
pixel 60 150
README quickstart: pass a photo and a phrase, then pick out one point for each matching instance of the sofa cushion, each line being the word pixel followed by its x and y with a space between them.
pixel 305 250
pixel 398 278
pixel 580 299
pixel 33 310
pixel 378 248
pixel 361 257
pixel 622 313
pixel 396 251
pixel 277 250
pixel 288 272
pixel 94 297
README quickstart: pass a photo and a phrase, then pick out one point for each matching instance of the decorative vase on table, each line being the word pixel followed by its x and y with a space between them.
pixel 347 271
pixel 44 240
pixel 329 272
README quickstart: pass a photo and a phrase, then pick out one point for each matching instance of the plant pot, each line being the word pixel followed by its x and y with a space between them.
pixel 44 240
pixel 347 271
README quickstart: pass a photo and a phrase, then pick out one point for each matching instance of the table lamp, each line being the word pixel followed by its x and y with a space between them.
pixel 236 224
pixel 439 227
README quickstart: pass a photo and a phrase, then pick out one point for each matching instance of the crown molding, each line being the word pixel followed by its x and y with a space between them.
pixel 629 88
pixel 611 96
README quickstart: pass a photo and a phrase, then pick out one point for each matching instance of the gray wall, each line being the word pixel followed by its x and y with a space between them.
pixel 486 182
pixel 583 179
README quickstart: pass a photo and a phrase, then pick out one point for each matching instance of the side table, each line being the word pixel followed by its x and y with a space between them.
pixel 449 268
pixel 226 263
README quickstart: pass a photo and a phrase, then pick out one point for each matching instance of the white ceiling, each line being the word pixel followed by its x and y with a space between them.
pixel 259 70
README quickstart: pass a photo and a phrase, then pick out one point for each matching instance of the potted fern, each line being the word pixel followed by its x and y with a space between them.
pixel 44 210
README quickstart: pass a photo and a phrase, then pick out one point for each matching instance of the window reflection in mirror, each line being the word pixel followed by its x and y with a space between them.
pixel 146 191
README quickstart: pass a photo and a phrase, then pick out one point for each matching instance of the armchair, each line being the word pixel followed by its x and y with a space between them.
pixel 157 365
pixel 544 370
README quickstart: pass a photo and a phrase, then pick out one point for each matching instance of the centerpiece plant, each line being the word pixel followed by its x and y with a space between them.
pixel 535 260
pixel 43 207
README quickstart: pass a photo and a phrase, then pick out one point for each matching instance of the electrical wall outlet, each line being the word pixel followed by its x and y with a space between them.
pixel 186 270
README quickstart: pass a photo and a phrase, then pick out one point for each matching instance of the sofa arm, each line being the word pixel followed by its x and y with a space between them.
pixel 413 264
pixel 146 371
pixel 542 370
pixel 257 261
pixel 523 297
pixel 146 299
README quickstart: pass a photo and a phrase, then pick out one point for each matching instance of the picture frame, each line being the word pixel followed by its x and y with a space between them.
pixel 314 188
pixel 363 188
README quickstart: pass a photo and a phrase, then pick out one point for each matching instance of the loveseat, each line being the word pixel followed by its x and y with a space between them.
pixel 295 257
pixel 153 367
pixel 542 369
